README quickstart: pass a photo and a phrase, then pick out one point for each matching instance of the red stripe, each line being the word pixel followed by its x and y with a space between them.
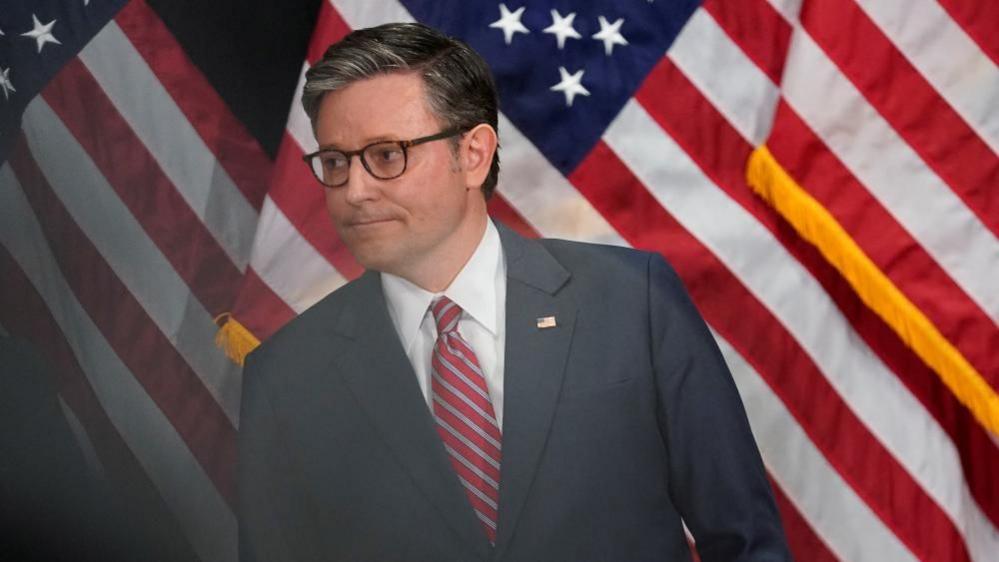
pixel 467 430
pixel 145 351
pixel 473 479
pixel 793 143
pixel 802 540
pixel 444 321
pixel 330 28
pixel 25 315
pixel 482 506
pixel 755 333
pixel 502 211
pixel 461 347
pixel 452 379
pixel 978 18
pixel 457 403
pixel 758 29
pixel 259 309
pixel 235 149
pixel 908 102
pixel 138 180
pixel 300 197
pixel 886 242
pixel 469 455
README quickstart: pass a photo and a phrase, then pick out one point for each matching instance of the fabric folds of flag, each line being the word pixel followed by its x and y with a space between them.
pixel 823 174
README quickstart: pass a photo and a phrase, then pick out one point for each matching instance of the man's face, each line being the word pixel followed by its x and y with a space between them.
pixel 399 224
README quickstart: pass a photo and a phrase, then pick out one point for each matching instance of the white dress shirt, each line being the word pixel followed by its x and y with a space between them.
pixel 480 290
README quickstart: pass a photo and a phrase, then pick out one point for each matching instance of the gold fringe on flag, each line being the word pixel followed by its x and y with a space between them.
pixel 815 224
pixel 235 340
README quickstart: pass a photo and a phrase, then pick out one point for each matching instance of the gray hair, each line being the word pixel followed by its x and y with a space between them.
pixel 459 85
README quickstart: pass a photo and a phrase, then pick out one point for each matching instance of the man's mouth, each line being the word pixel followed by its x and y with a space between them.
pixel 369 221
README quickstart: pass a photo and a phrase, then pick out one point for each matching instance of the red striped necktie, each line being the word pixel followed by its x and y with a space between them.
pixel 464 415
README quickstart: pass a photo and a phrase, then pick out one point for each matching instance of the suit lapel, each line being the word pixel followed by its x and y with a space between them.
pixel 535 360
pixel 379 374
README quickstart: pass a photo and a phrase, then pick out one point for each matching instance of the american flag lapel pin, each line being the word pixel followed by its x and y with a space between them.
pixel 546 322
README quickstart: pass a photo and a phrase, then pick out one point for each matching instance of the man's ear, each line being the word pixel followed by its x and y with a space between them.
pixel 477 149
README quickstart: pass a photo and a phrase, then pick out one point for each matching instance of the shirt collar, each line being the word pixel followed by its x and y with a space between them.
pixel 473 289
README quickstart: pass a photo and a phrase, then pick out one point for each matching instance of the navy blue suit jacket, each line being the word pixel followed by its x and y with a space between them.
pixel 618 421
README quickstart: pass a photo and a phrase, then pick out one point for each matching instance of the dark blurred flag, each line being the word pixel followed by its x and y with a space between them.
pixel 824 174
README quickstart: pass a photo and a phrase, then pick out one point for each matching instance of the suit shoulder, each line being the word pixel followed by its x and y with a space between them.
pixel 310 327
pixel 606 270
pixel 581 257
pixel 593 251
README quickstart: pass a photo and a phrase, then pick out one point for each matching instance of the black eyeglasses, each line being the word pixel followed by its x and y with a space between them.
pixel 384 160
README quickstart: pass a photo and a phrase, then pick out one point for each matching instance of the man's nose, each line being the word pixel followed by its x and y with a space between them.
pixel 361 185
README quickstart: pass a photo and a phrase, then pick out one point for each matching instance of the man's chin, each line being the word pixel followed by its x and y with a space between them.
pixel 379 255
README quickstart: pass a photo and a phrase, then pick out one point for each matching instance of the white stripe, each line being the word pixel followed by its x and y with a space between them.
pixel 171 139
pixel 82 438
pixel 846 524
pixel 892 172
pixel 370 14
pixel 944 54
pixel 471 466
pixel 299 126
pixel 465 441
pixel 782 284
pixel 461 396
pixel 485 519
pixel 543 196
pixel 288 263
pixel 441 314
pixel 539 192
pixel 202 513
pixel 447 340
pixel 464 419
pixel 709 59
pixel 789 9
pixel 478 493
pixel 133 257
pixel 483 392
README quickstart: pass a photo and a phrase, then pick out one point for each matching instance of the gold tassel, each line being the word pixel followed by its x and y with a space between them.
pixel 234 339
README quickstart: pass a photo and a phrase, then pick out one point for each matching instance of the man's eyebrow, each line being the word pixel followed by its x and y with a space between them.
pixel 366 142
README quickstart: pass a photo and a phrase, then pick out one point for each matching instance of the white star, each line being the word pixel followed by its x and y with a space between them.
pixel 1 32
pixel 562 28
pixel 570 85
pixel 5 83
pixel 42 33
pixel 610 34
pixel 509 22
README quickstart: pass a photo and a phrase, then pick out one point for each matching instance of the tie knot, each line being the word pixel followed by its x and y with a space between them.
pixel 446 315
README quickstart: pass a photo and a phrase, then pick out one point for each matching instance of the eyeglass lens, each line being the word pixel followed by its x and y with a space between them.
pixel 385 160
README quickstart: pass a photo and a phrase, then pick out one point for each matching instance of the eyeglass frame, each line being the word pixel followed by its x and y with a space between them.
pixel 404 145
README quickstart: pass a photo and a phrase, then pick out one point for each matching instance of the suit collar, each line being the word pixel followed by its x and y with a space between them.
pixel 529 262
pixel 536 353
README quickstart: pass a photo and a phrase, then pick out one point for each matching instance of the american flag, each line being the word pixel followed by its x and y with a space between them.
pixel 823 174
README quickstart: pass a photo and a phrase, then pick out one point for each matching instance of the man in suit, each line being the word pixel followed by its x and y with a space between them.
pixel 476 395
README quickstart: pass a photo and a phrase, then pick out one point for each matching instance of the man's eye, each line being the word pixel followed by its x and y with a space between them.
pixel 334 161
pixel 388 154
